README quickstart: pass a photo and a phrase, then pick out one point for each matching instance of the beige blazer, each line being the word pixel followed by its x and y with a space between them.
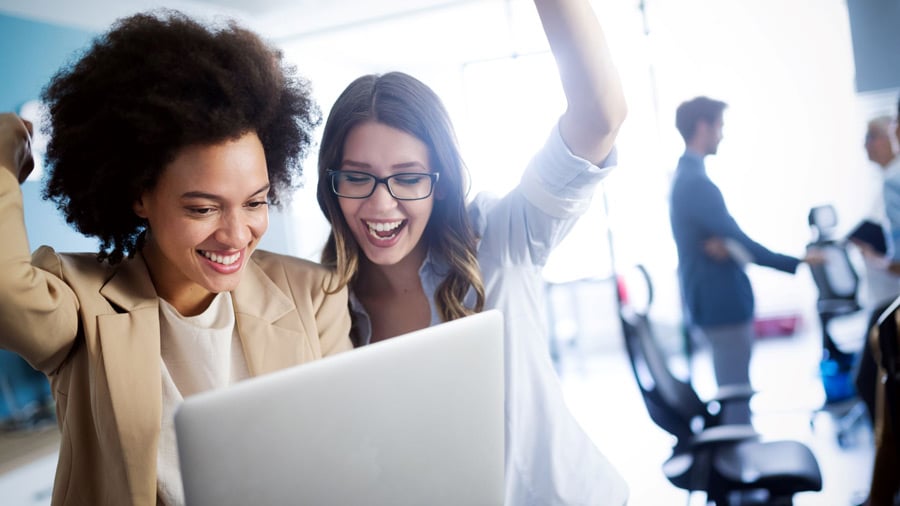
pixel 94 330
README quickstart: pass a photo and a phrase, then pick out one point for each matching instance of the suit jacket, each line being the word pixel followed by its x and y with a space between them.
pixel 93 329
pixel 714 292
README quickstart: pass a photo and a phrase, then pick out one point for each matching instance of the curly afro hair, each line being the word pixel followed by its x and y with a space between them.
pixel 154 84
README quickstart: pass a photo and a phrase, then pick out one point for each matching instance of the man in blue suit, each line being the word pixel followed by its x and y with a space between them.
pixel 712 252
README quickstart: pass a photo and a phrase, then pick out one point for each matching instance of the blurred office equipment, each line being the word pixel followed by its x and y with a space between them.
pixel 837 283
pixel 25 400
pixel 727 462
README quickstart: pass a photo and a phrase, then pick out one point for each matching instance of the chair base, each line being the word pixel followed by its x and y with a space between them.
pixel 747 472
pixel 757 497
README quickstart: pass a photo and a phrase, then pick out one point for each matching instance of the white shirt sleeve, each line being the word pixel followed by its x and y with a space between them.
pixel 560 183
pixel 523 227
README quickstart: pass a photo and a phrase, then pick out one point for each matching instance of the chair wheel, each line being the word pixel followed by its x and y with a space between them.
pixel 844 440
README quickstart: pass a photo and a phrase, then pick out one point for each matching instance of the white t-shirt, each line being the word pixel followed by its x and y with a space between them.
pixel 198 353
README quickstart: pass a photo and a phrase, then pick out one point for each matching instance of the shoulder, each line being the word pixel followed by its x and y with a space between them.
pixel 294 270
pixel 479 210
pixel 693 179
pixel 71 266
pixel 892 177
pixel 275 263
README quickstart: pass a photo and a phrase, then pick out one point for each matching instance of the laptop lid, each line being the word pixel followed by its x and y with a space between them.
pixel 417 419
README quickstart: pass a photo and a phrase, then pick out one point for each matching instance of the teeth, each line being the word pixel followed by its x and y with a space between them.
pixel 383 227
pixel 220 259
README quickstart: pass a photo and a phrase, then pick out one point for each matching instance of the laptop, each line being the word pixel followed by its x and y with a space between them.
pixel 416 419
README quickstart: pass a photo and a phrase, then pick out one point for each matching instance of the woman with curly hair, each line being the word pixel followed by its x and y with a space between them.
pixel 392 184
pixel 169 141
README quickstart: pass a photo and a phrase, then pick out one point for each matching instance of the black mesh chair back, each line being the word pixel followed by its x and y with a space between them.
pixel 721 460
pixel 837 281
pixel 672 403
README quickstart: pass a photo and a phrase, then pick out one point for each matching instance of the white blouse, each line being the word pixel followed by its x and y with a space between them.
pixel 199 353
pixel 550 460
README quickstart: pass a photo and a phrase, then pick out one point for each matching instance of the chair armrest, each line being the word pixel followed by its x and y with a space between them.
pixel 724 434
pixel 734 392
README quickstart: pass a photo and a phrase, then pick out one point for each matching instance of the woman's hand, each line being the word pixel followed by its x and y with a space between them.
pixel 15 145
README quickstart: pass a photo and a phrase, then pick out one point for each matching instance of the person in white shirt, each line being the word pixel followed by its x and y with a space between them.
pixel 414 254
pixel 883 286
pixel 883 275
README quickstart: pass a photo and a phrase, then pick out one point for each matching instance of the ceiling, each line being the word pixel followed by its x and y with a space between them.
pixel 273 18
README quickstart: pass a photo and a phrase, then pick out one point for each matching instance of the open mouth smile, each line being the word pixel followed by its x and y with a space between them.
pixel 221 259
pixel 384 230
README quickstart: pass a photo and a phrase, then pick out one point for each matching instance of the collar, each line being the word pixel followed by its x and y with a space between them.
pixel 433 267
pixel 131 288
pixel 689 153
pixel 893 168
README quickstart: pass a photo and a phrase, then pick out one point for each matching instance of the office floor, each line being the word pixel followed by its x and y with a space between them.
pixel 602 394
pixel 27 465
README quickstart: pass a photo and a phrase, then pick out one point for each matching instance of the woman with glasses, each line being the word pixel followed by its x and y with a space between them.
pixel 414 254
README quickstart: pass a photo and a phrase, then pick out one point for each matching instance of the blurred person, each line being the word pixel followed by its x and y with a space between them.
pixel 712 252
pixel 881 148
pixel 883 286
pixel 885 484
pixel 880 141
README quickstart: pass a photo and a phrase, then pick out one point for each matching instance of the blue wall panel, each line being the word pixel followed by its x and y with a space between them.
pixel 32 52
pixel 875 29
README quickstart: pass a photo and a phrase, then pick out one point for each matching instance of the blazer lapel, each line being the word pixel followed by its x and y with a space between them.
pixel 268 323
pixel 131 359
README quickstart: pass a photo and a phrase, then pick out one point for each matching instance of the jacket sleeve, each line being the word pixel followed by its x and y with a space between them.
pixel 38 311
pixel 706 206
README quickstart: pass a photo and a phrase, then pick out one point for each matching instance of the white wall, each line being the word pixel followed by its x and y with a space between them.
pixel 794 125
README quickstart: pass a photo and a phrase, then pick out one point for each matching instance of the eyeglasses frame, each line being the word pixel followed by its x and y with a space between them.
pixel 434 176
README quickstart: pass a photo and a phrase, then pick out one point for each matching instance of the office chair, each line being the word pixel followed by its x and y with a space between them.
pixel 727 462
pixel 836 280
pixel 838 285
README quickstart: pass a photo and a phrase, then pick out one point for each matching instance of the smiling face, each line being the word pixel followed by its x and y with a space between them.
pixel 388 231
pixel 206 215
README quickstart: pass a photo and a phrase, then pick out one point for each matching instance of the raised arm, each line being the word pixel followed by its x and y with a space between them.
pixel 596 104
pixel 38 311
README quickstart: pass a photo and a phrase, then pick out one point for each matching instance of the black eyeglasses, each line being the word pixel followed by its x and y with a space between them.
pixel 352 184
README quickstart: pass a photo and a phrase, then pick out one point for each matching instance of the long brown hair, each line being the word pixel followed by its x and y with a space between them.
pixel 405 103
